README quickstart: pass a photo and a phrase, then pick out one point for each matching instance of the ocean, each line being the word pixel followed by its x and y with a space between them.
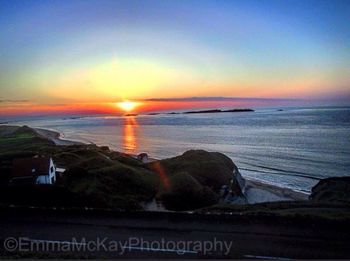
pixel 292 147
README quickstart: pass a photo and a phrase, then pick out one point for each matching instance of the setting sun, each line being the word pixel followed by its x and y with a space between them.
pixel 127 105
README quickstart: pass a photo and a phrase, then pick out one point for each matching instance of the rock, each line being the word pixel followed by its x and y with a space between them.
pixel 336 189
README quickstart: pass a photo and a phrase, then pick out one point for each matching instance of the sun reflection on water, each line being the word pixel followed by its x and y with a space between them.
pixel 130 144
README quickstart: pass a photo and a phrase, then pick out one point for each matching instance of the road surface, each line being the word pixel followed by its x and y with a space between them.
pixel 58 233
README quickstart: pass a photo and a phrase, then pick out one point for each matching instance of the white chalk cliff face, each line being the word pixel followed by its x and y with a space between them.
pixel 227 195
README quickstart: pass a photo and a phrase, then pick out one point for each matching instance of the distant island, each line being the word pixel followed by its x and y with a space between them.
pixel 131 115
pixel 167 113
pixel 208 111
pixel 219 111
pixel 153 113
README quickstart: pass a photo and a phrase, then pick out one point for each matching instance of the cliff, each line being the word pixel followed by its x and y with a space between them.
pixel 336 189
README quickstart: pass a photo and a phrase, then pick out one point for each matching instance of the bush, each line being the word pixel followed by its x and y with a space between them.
pixel 208 168
pixel 116 186
pixel 187 193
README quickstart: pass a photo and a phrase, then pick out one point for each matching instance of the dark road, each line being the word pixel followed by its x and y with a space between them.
pixel 104 234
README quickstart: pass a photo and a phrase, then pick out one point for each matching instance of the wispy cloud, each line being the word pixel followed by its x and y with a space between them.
pixel 13 101
pixel 198 99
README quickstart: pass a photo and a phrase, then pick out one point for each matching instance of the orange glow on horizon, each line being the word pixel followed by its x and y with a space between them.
pixel 112 108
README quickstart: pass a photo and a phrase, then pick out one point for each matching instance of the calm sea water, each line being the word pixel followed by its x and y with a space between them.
pixel 292 148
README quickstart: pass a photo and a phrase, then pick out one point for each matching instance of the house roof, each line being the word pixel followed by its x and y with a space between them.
pixel 26 167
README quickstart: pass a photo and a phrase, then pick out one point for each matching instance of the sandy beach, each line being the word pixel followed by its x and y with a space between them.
pixel 56 137
pixel 257 192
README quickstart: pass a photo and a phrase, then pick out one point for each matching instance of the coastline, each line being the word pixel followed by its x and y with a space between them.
pixel 55 136
pixel 255 191
pixel 258 192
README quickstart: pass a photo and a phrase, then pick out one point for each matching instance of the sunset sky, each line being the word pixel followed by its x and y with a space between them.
pixel 85 56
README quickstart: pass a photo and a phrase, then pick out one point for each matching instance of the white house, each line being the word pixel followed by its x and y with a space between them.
pixel 35 170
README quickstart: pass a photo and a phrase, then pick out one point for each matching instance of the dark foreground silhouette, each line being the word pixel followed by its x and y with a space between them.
pixel 247 236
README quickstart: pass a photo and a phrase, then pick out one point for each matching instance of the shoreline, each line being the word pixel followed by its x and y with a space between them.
pixel 259 192
pixel 254 190
pixel 55 136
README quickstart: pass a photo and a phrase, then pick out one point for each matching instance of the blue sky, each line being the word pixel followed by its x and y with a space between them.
pixel 51 50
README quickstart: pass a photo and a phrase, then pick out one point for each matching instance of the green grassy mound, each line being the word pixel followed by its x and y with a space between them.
pixel 111 184
pixel 195 179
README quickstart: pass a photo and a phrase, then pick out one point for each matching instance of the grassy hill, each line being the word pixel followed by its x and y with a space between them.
pixel 110 179
pixel 195 179
pixel 100 178
pixel 104 178
pixel 336 189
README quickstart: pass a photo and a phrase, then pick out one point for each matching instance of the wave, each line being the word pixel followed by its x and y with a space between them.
pixel 280 172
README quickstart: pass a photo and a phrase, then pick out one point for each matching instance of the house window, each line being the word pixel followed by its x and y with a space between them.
pixel 51 169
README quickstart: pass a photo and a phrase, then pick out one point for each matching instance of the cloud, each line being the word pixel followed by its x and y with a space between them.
pixel 218 99
pixel 13 101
